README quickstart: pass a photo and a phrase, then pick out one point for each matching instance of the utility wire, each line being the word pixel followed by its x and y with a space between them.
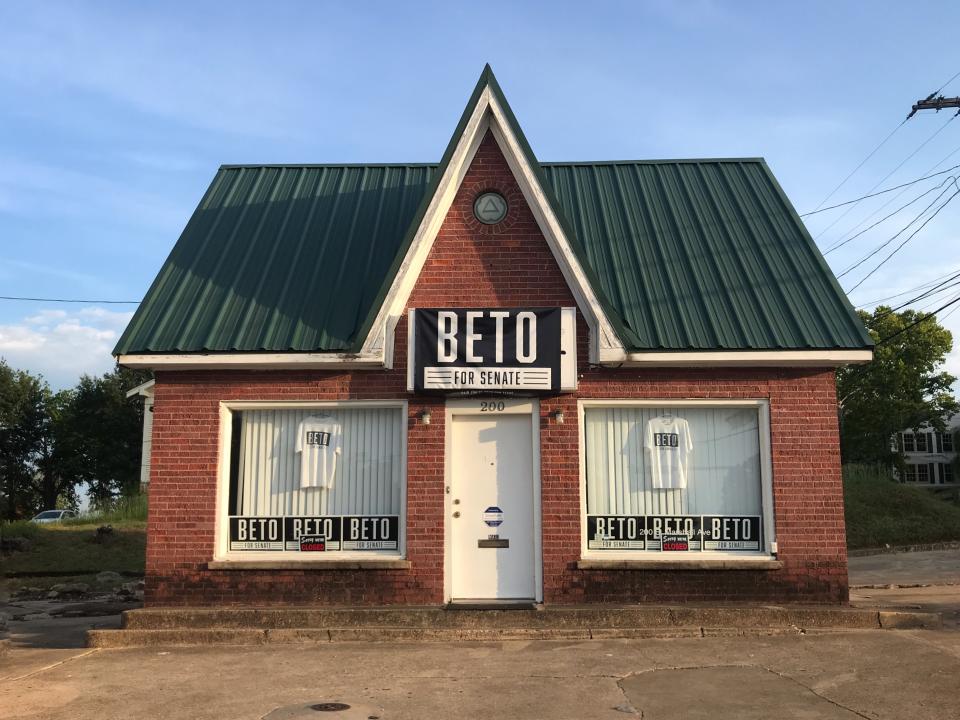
pixel 62 300
pixel 926 317
pixel 884 178
pixel 890 200
pixel 884 244
pixel 862 163
pixel 908 239
pixel 837 246
pixel 921 286
pixel 945 84
pixel 882 192
pixel 947 284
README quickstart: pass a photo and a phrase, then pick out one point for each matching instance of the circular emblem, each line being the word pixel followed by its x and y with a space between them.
pixel 490 208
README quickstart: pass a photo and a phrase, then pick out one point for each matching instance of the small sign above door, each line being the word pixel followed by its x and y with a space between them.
pixel 492 349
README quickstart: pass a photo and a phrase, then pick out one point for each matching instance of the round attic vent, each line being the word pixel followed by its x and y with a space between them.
pixel 490 208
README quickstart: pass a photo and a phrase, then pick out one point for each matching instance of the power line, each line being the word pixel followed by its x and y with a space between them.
pixel 882 245
pixel 882 192
pixel 838 245
pixel 926 317
pixel 62 300
pixel 946 83
pixel 941 287
pixel 884 178
pixel 862 163
pixel 898 248
pixel 879 209
pixel 921 286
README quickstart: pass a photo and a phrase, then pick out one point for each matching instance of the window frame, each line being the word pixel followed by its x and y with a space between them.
pixel 946 468
pixel 718 557
pixel 925 443
pixel 222 553
pixel 913 445
pixel 946 439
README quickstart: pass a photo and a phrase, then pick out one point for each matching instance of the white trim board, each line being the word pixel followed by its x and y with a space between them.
pixel 488 115
pixel 740 358
pixel 251 361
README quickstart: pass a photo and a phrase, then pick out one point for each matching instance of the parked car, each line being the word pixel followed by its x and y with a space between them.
pixel 53 516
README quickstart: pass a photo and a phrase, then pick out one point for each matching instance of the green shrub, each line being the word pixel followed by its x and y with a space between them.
pixel 18 528
pixel 881 511
pixel 130 509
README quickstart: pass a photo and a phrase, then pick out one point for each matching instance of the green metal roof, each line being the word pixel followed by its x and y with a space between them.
pixel 684 255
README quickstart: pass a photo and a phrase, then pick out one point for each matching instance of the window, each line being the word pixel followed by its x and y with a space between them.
pixel 946 442
pixel 946 473
pixel 923 473
pixel 910 473
pixel 921 442
pixel 676 480
pixel 314 481
pixel 908 444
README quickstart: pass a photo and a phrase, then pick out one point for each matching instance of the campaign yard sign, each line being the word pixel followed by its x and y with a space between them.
pixel 332 533
pixel 675 533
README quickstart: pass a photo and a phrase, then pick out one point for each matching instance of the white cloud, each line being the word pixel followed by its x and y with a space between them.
pixel 62 345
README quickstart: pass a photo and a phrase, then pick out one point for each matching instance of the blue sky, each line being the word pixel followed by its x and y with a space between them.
pixel 115 116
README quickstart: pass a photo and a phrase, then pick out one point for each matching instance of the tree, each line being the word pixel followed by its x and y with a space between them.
pixel 903 387
pixel 24 429
pixel 98 436
pixel 53 443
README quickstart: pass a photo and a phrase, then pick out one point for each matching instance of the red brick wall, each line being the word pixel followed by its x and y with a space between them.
pixel 510 264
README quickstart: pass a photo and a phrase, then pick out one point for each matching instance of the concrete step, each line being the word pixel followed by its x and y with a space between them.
pixel 221 636
pixel 256 626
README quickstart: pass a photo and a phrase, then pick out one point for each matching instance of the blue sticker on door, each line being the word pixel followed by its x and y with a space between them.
pixel 493 516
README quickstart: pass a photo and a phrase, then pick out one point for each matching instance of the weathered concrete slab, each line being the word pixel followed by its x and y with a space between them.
pixel 559 680
pixel 706 695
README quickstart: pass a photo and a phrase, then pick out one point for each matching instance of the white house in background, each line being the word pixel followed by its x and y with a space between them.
pixel 929 455
pixel 146 392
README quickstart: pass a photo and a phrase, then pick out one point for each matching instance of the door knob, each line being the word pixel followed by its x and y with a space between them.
pixel 457 501
pixel 456 514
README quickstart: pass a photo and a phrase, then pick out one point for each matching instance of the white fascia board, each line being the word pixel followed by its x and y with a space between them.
pixel 603 338
pixel 745 358
pixel 144 389
pixel 487 114
pixel 252 361
pixel 381 334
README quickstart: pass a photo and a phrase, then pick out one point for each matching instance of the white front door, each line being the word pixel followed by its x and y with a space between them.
pixel 493 514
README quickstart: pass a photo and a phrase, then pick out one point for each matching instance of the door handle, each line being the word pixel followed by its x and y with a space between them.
pixel 456 514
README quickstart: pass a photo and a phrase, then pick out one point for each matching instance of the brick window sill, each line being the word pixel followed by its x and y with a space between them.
pixel 759 563
pixel 397 564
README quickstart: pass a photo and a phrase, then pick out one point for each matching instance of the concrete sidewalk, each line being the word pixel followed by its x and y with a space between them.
pixel 936 567
pixel 842 675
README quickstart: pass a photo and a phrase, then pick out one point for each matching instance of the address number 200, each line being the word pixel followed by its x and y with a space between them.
pixel 492 406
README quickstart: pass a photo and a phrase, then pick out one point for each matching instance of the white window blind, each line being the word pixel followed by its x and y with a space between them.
pixel 724 466
pixel 369 471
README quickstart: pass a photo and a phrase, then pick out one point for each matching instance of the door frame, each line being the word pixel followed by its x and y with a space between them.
pixel 472 406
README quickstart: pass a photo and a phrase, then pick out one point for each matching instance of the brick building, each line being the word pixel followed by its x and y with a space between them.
pixel 494 380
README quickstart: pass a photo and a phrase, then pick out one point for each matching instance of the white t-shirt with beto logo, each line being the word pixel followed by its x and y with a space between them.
pixel 668 443
pixel 319 442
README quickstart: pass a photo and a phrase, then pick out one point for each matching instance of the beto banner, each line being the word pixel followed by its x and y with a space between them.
pixel 492 349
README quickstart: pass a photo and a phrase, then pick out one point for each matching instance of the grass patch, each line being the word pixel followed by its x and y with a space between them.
pixel 18 529
pixel 72 548
pixel 124 512
pixel 882 512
